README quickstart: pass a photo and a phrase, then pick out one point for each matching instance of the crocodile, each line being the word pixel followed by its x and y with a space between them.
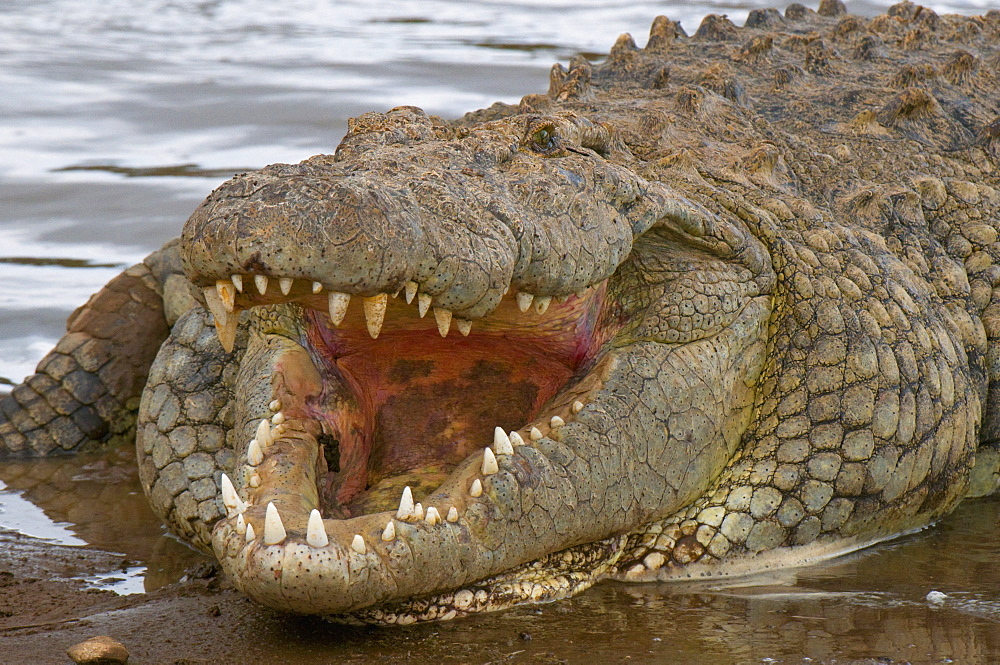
pixel 721 304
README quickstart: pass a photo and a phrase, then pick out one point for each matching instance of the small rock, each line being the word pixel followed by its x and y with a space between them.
pixel 935 598
pixel 101 650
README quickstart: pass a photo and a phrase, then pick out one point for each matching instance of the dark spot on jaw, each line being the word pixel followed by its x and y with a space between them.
pixel 331 451
pixel 406 370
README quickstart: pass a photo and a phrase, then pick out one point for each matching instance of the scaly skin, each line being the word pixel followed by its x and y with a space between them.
pixel 773 340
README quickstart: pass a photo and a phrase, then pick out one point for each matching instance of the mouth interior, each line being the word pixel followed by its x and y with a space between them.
pixel 408 407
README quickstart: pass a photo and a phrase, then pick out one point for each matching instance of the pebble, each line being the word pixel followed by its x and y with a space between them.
pixel 101 650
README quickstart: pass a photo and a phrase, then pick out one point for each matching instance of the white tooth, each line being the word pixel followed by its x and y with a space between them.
pixel 241 525
pixel 237 282
pixel 577 406
pixel 501 442
pixel 433 517
pixel 375 313
pixel 285 284
pixel 278 418
pixel 337 303
pixel 250 534
pixel 241 505
pixel 464 326
pixel 405 504
pixel 418 512
pixel 389 534
pixel 274 530
pixel 489 462
pixel 255 480
pixel 225 322
pixel 452 514
pixel 411 291
pixel 227 293
pixel 264 436
pixel 278 431
pixel 476 489
pixel 443 318
pixel 556 422
pixel 229 496
pixel 317 287
pixel 524 301
pixel 535 434
pixel 358 544
pixel 261 282
pixel 542 304
pixel 516 439
pixel 254 454
pixel 275 405
pixel 315 533
pixel 423 304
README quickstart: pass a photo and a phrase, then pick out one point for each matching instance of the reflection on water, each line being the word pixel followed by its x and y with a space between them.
pixel 93 499
pixel 119 117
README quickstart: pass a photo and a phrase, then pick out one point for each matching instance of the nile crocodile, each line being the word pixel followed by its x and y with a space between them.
pixel 722 303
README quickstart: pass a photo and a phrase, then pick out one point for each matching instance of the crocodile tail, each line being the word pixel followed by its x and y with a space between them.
pixel 87 388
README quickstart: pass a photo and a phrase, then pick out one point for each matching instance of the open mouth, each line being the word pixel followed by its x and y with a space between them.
pixel 390 415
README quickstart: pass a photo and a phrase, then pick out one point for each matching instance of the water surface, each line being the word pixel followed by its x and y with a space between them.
pixel 118 117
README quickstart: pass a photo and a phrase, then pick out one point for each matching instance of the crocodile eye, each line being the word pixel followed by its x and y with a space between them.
pixel 543 139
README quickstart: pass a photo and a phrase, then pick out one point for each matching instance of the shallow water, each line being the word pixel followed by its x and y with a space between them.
pixel 119 117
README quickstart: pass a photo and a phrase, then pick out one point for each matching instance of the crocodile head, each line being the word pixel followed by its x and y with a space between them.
pixel 588 366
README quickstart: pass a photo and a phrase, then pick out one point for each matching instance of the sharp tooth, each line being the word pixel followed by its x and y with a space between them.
pixel 433 517
pixel 315 533
pixel 261 282
pixel 337 303
pixel 577 406
pixel 285 284
pixel 443 318
pixel 241 525
pixel 241 505
pixel 274 405
pixel 274 530
pixel 255 480
pixel 452 514
pixel 556 422
pixel 464 326
pixel 358 544
pixel 227 293
pixel 405 504
pixel 501 442
pixel 524 301
pixel 515 439
pixel 254 454
pixel 423 304
pixel 264 436
pixel 317 287
pixel 375 313
pixel 237 282
pixel 229 496
pixel 535 434
pixel 225 322
pixel 542 304
pixel 489 462
pixel 278 418
pixel 389 534
pixel 251 536
pixel 476 489
pixel 418 512
pixel 411 291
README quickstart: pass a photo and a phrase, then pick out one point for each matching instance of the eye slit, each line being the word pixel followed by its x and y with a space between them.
pixel 544 138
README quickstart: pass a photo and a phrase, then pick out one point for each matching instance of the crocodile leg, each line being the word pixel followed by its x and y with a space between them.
pixel 87 388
